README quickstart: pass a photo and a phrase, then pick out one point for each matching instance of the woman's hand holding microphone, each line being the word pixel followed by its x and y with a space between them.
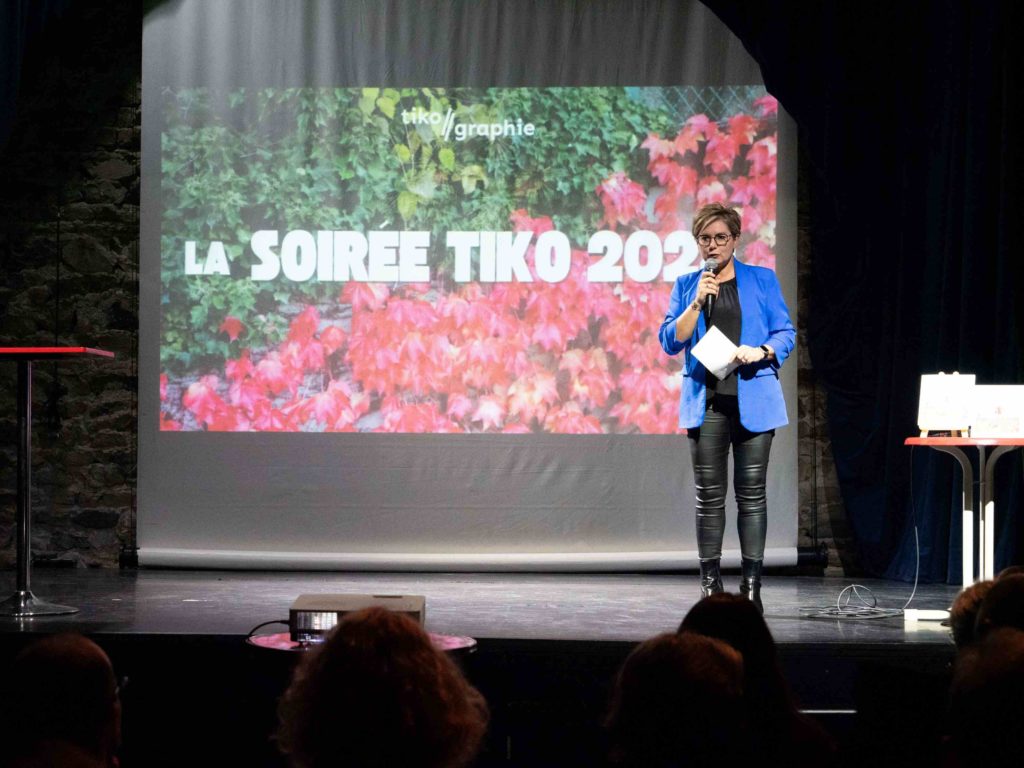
pixel 708 286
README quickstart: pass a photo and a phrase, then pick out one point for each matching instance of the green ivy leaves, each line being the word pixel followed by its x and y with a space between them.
pixel 334 158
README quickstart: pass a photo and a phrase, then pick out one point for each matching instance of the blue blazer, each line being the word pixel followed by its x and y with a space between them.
pixel 765 320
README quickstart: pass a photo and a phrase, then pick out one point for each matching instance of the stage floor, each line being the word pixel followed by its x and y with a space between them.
pixel 549 646
pixel 558 607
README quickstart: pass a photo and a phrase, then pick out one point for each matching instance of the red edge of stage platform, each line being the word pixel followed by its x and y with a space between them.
pixel 23 604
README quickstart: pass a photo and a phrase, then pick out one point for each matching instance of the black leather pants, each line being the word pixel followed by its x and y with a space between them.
pixel 709 449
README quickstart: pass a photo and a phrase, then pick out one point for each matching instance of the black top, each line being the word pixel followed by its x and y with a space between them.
pixel 726 317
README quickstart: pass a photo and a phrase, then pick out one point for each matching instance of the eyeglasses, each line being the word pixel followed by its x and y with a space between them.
pixel 720 239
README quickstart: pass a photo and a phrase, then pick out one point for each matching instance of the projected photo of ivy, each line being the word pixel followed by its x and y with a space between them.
pixel 442 260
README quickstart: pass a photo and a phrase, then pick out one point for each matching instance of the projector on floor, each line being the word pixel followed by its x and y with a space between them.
pixel 311 617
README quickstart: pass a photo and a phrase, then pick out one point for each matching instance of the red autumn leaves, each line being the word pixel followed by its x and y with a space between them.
pixel 520 357
pixel 733 164
pixel 570 357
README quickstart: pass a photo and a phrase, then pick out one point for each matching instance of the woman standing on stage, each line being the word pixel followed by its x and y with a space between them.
pixel 744 409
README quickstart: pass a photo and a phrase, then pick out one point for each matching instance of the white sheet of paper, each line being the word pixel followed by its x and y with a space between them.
pixel 998 410
pixel 716 353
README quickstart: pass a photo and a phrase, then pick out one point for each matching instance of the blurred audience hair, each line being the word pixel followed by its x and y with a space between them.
pixel 377 693
pixel 61 698
pixel 985 703
pixel 1010 570
pixel 775 722
pixel 1002 605
pixel 735 620
pixel 677 701
pixel 963 615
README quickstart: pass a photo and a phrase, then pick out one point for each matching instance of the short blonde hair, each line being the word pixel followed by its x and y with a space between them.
pixel 714 211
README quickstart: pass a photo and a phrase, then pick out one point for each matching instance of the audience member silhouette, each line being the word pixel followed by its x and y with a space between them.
pixel 1002 605
pixel 963 615
pixel 61 706
pixel 677 701
pixel 779 732
pixel 1010 570
pixel 377 693
pixel 985 703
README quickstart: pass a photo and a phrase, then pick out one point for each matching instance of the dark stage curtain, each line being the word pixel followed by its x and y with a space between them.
pixel 20 22
pixel 910 114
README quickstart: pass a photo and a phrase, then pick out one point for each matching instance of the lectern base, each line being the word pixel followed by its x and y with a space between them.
pixel 23 604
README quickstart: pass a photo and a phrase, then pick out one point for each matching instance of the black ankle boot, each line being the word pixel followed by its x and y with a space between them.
pixel 750 582
pixel 711 577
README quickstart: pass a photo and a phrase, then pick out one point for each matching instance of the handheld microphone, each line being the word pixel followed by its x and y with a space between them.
pixel 710 266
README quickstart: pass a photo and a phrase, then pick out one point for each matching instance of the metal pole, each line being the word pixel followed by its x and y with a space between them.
pixel 23 604
pixel 24 473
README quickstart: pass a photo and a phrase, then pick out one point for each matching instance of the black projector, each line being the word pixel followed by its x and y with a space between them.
pixel 311 617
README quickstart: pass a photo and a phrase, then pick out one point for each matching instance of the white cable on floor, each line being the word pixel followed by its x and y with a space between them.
pixel 868 606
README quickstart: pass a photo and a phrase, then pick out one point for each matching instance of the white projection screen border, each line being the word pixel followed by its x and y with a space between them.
pixel 238 496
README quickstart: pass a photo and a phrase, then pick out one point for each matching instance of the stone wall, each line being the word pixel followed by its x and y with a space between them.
pixel 69 224
pixel 69 229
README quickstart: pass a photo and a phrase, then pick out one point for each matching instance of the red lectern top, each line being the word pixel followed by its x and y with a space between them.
pixel 982 441
pixel 43 353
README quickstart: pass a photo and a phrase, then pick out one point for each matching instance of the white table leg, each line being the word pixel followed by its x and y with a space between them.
pixel 988 505
pixel 968 513
pixel 985 527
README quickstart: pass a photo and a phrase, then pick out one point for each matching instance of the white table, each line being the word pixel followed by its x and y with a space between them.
pixel 986 495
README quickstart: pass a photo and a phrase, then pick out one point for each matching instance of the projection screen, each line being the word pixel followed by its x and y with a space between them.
pixel 403 268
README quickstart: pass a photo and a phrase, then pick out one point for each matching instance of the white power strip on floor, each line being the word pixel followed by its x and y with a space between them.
pixel 918 614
